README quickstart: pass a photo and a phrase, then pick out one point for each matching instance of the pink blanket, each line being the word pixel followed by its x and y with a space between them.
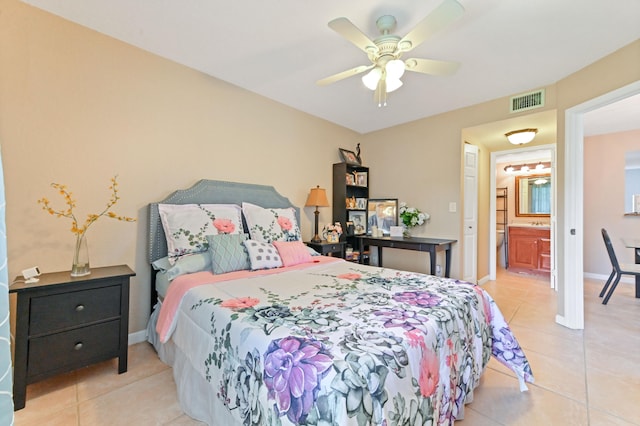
pixel 182 284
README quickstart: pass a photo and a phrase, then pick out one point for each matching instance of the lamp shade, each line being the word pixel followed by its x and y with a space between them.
pixel 395 69
pixel 317 198
pixel 519 137
pixel 370 80
pixel 393 84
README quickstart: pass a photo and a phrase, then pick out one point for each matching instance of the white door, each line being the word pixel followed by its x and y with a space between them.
pixel 470 232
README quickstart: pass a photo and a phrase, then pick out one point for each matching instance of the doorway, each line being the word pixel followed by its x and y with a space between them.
pixel 571 272
pixel 526 154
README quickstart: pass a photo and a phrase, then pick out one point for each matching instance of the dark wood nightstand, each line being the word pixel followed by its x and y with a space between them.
pixel 65 323
pixel 325 247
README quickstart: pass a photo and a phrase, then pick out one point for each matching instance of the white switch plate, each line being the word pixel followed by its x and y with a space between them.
pixel 452 207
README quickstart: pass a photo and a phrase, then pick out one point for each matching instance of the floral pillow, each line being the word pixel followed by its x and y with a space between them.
pixel 270 225
pixel 262 255
pixel 186 226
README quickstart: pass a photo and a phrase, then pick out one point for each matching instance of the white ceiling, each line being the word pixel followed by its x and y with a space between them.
pixel 279 49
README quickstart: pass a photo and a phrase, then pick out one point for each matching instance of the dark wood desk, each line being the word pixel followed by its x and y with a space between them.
pixel 634 243
pixel 431 245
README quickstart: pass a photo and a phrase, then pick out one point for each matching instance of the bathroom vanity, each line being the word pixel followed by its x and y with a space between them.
pixel 530 249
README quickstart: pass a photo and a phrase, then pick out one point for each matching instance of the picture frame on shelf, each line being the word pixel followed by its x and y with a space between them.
pixel 351 203
pixel 349 157
pixel 349 227
pixel 382 213
pixel 361 178
pixel 350 179
pixel 359 219
pixel 361 203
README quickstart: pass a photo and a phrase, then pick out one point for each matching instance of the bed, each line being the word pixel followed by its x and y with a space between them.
pixel 316 340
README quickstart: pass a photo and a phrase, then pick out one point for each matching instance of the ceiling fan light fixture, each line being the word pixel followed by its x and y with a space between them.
pixel 393 84
pixel 380 95
pixel 520 137
pixel 370 79
pixel 394 69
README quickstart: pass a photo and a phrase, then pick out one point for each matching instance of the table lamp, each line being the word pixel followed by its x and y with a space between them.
pixel 318 198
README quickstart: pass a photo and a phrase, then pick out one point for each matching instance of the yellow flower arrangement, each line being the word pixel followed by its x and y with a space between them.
pixel 71 204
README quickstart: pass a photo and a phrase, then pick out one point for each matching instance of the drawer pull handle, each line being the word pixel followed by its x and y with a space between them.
pixel 79 308
pixel 78 346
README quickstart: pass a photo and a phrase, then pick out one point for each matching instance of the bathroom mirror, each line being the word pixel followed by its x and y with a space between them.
pixel 632 182
pixel 533 195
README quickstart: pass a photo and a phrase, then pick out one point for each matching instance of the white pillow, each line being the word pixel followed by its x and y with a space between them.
pixel 186 226
pixel 270 225
pixel 262 255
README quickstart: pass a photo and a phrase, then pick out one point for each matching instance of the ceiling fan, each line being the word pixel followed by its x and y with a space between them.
pixel 385 51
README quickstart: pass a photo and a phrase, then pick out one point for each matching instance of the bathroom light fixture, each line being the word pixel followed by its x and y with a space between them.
pixel 539 167
pixel 520 137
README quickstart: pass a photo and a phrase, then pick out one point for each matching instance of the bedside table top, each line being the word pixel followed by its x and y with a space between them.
pixel 64 277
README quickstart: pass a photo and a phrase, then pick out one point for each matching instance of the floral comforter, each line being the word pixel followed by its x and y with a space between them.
pixel 346 344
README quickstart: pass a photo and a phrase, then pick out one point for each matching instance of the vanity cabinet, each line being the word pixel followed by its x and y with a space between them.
pixel 529 249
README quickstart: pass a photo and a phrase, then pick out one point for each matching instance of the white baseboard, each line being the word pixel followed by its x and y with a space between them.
pixel 137 337
pixel 484 280
pixel 624 279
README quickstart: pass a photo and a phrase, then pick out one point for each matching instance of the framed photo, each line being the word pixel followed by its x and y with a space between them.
pixel 383 214
pixel 350 179
pixel 349 157
pixel 361 178
pixel 361 203
pixel 359 220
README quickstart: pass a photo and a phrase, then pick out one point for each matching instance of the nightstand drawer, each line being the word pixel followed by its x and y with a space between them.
pixel 61 311
pixel 333 247
pixel 75 348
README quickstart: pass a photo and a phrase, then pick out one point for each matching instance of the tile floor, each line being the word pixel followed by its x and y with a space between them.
pixel 589 377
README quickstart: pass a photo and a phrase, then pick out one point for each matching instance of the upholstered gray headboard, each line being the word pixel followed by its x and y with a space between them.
pixel 211 192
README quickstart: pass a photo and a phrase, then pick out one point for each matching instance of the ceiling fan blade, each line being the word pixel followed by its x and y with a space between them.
pixel 431 66
pixel 346 29
pixel 437 20
pixel 344 74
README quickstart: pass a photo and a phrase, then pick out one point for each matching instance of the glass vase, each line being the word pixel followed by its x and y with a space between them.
pixel 406 233
pixel 80 265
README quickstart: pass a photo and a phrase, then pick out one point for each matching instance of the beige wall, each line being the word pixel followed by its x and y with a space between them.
pixel 78 107
pixel 604 200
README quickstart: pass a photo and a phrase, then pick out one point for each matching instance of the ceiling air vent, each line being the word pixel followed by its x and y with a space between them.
pixel 527 101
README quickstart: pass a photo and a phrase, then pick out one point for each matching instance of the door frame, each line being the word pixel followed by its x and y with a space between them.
pixel 492 209
pixel 572 303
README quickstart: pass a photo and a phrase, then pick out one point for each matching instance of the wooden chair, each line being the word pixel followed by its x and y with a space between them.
pixel 618 269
